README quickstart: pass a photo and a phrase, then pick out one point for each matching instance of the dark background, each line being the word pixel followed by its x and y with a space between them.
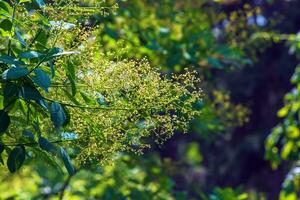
pixel 261 87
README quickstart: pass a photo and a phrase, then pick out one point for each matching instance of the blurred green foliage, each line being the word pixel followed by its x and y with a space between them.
pixel 173 34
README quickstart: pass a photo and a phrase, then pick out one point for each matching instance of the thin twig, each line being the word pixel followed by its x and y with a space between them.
pixel 35 143
pixel 41 61
pixel 91 108
pixel 64 187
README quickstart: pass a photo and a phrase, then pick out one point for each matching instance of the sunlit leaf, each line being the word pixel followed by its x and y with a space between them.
pixel 5 8
pixel 40 3
pixel 30 54
pixel 20 38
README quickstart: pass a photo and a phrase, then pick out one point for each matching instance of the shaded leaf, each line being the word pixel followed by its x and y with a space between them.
pixel 10 60
pixel 10 90
pixel 15 73
pixel 67 161
pixel 1 148
pixel 16 159
pixel 51 65
pixel 46 145
pixel 28 134
pixel 42 79
pixel 215 63
pixel 31 93
pixel 58 115
pixel 4 121
pixel 6 27
pixel 68 116
pixel 47 158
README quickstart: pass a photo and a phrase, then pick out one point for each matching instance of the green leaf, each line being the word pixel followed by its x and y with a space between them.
pixel 46 145
pixel 41 39
pixel 68 116
pixel 6 28
pixel 47 158
pixel 5 8
pixel 67 161
pixel 73 85
pixel 30 54
pixel 51 65
pixel 4 121
pixel 287 149
pixel 58 115
pixel 20 38
pixel 40 3
pixel 70 71
pixel 42 79
pixel 292 132
pixel 28 135
pixel 86 98
pixel 10 94
pixel 31 93
pixel 16 159
pixel 10 60
pixel 71 97
pixel 40 18
pixel 10 90
pixel 15 73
